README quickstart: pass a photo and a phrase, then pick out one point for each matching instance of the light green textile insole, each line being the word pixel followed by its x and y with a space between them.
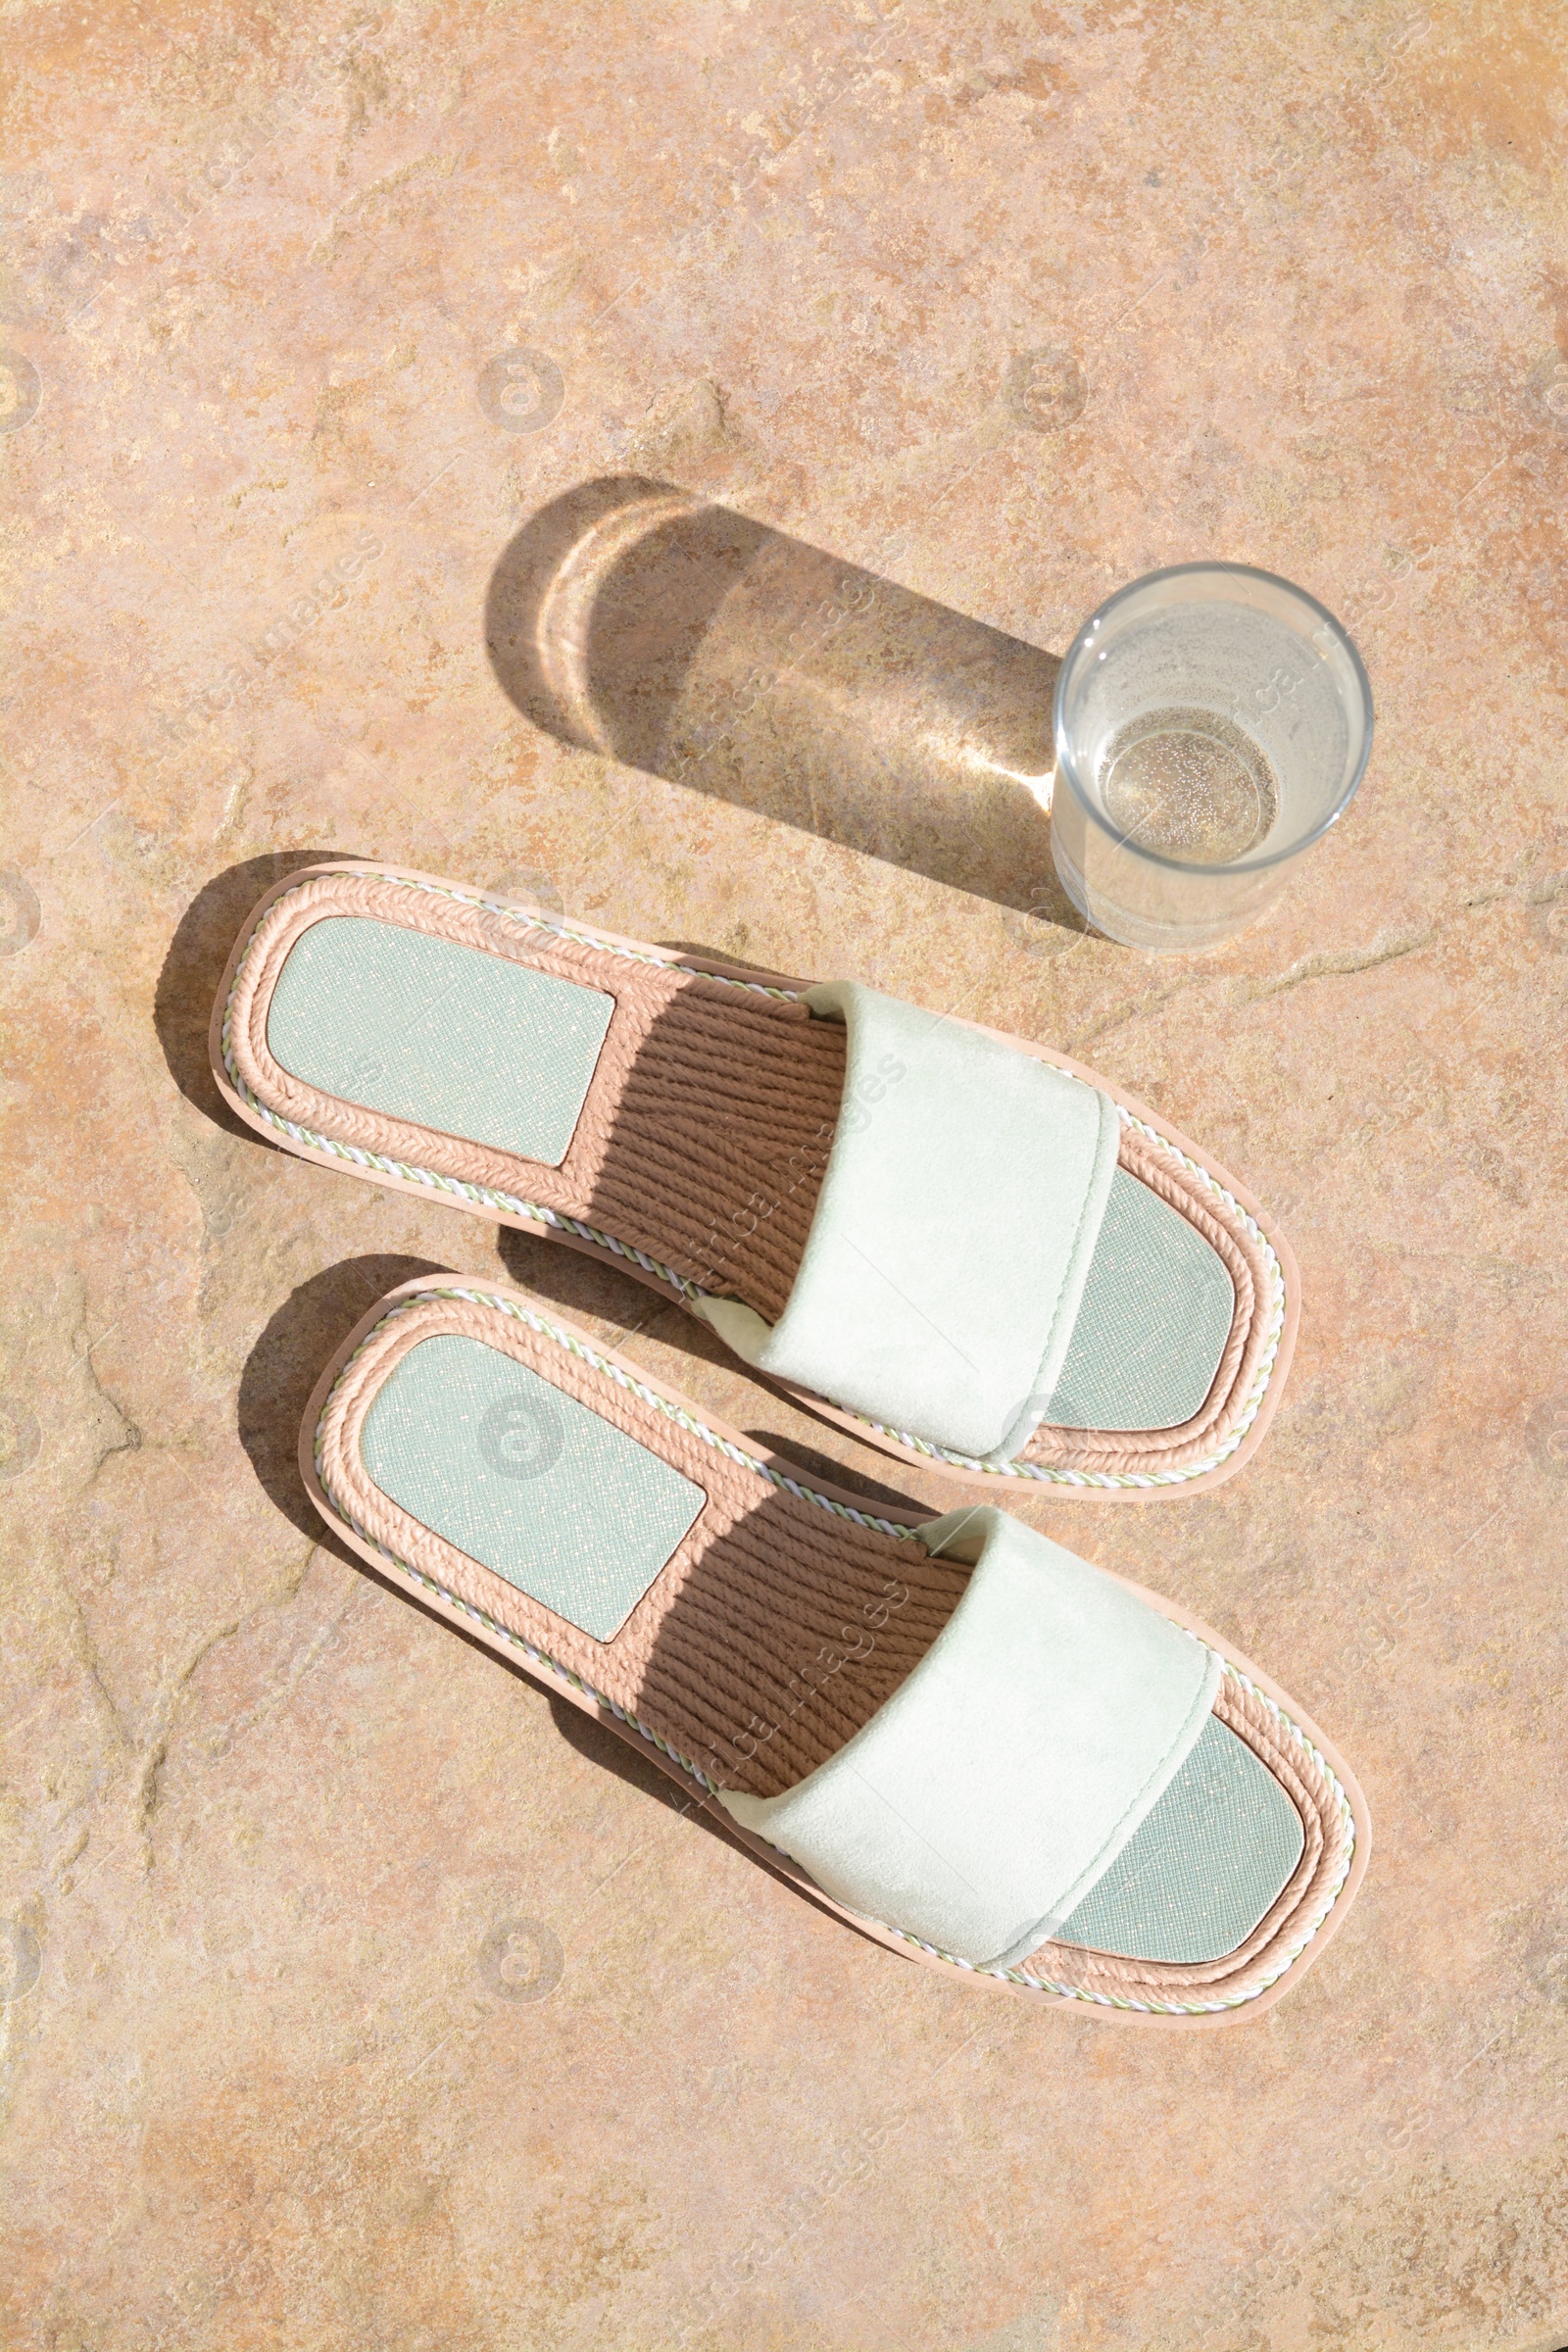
pixel 1195 1880
pixel 447 1036
pixel 525 1480
pixel 1155 1315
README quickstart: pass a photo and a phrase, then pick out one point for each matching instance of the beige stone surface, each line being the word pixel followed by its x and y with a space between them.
pixel 961 316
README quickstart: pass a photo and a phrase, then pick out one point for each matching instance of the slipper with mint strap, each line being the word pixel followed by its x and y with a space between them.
pixel 978 1749
pixel 964 1248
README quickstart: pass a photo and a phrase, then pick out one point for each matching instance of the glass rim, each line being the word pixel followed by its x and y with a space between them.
pixel 1236 571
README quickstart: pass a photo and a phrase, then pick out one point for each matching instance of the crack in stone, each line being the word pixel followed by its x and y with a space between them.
pixel 73 1852
pixel 116 1740
pixel 298 1666
pixel 1330 964
pixel 1083 1037
pixel 86 1650
pixel 151 1753
pixel 328 244
pixel 1335 963
pixel 130 1441
pixel 156 1753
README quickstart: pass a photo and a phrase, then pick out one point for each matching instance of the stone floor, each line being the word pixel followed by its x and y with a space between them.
pixel 771 388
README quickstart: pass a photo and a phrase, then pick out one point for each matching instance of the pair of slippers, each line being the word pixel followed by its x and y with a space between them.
pixel 972 1746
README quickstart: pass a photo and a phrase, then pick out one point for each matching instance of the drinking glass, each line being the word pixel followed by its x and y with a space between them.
pixel 1211 721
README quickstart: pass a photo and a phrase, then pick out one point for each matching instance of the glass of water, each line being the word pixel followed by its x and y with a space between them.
pixel 1211 721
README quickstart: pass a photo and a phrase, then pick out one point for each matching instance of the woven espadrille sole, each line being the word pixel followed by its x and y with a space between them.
pixel 697 1159
pixel 788 1612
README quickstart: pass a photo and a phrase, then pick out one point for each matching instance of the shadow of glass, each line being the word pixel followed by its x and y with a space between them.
pixel 634 619
pixel 182 1007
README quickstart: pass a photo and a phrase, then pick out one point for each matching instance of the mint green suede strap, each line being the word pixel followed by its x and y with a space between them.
pixel 953 1235
pixel 1000 1780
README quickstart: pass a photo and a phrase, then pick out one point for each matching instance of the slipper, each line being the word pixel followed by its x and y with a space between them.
pixel 966 1249
pixel 975 1748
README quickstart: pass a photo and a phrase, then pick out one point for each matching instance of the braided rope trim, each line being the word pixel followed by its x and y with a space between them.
pixel 691 1294
pixel 542 1659
pixel 1104 1478
pixel 624 1380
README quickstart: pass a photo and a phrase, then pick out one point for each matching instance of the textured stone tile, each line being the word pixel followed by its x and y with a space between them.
pixel 361 1995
